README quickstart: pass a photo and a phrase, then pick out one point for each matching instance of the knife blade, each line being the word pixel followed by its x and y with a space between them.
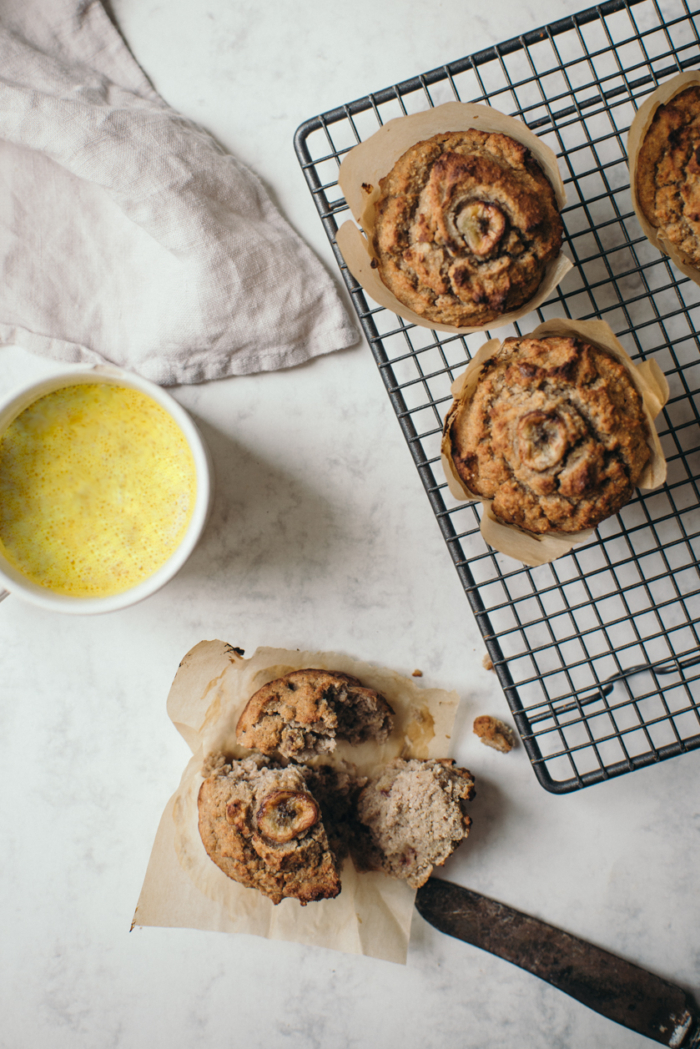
pixel 615 988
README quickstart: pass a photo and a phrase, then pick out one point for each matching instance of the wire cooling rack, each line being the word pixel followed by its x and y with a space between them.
pixel 566 639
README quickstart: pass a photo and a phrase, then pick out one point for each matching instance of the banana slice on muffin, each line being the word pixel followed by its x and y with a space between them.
pixel 555 433
pixel 263 826
pixel 466 224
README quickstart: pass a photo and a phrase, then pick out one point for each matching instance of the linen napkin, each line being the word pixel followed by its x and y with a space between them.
pixel 127 234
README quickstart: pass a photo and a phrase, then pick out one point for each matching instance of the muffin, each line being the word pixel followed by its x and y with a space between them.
pixel 411 818
pixel 303 713
pixel 262 826
pixel 554 432
pixel 465 225
pixel 667 175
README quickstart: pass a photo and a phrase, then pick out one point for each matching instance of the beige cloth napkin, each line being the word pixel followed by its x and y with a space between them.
pixel 127 235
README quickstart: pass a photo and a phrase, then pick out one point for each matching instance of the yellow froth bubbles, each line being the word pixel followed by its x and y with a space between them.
pixel 97 487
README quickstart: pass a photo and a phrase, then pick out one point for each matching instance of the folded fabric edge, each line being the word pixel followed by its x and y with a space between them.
pixel 47 346
pixel 201 369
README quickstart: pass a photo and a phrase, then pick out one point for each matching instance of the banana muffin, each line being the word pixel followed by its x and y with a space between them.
pixel 668 172
pixel 263 827
pixel 303 713
pixel 555 433
pixel 465 226
pixel 411 818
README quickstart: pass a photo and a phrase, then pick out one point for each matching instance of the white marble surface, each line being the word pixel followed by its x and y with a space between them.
pixel 314 542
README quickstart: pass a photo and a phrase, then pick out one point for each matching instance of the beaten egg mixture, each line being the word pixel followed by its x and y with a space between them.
pixel 97 487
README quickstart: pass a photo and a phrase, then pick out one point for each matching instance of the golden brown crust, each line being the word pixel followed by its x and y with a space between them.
pixel 555 434
pixel 262 827
pixel 465 226
pixel 303 713
pixel 668 172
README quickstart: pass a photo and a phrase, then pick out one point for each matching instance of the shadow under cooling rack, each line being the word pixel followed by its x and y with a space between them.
pixel 565 637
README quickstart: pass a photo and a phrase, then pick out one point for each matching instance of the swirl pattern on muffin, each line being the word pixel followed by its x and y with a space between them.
pixel 555 434
pixel 668 173
pixel 466 223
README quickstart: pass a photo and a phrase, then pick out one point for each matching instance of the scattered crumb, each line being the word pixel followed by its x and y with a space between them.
pixel 367 187
pixel 487 662
pixel 417 673
pixel 494 733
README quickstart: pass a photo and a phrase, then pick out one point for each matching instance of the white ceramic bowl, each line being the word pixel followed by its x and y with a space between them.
pixel 17 584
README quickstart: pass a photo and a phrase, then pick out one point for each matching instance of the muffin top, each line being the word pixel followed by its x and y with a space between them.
pixel 555 434
pixel 262 826
pixel 668 172
pixel 303 713
pixel 465 226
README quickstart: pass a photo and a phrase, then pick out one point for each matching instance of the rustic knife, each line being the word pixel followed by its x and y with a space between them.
pixel 615 988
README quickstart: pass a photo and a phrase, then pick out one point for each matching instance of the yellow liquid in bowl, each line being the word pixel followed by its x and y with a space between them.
pixel 97 488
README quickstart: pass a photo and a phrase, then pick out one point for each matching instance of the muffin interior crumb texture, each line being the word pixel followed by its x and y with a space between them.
pixel 411 818
pixel 303 713
pixel 555 434
pixel 465 226
pixel 668 172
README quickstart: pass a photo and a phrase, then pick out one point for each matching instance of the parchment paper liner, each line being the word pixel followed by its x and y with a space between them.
pixel 184 888
pixel 371 160
pixel 650 381
pixel 635 140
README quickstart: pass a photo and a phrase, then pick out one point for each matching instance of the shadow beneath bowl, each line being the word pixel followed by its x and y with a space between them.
pixel 266 529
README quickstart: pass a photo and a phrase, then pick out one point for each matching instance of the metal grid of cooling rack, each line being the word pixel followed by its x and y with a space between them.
pixel 566 637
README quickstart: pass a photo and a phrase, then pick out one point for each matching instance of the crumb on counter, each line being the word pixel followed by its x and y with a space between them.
pixel 494 733
pixel 487 662
pixel 417 673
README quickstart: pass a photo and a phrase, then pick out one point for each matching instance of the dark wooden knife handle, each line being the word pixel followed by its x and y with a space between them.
pixel 623 992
